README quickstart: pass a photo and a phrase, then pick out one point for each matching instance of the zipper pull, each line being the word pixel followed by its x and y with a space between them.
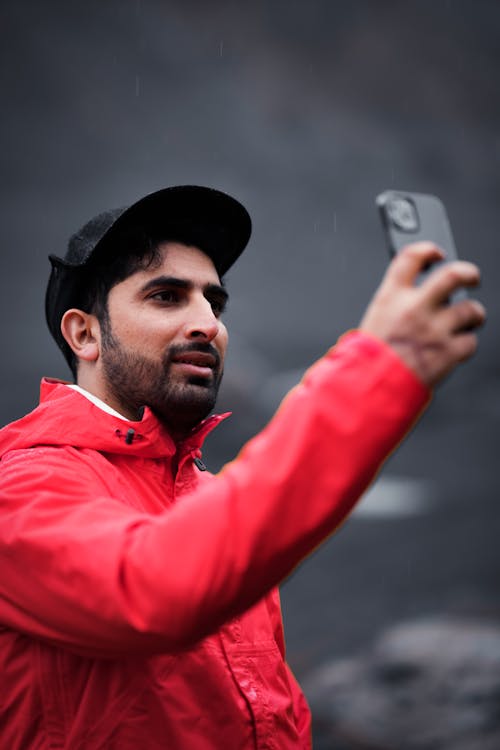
pixel 199 463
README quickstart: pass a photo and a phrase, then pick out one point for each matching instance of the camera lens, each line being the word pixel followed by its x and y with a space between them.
pixel 403 214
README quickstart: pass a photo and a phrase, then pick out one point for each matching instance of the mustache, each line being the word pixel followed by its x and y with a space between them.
pixel 178 349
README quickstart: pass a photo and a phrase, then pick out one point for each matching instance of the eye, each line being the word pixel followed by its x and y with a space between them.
pixel 218 305
pixel 166 296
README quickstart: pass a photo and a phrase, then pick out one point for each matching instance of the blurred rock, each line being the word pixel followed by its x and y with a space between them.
pixel 425 685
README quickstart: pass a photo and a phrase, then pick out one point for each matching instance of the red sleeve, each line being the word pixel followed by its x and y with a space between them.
pixel 82 569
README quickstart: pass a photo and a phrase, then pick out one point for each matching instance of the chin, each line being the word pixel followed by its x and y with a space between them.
pixel 205 383
pixel 189 404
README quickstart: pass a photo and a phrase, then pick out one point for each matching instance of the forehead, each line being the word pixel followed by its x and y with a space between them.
pixel 180 261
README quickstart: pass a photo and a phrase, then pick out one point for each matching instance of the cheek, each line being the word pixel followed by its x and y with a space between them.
pixel 142 330
pixel 132 335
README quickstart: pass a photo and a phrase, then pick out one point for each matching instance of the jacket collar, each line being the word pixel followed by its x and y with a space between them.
pixel 66 417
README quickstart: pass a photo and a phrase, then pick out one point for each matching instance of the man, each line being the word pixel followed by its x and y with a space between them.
pixel 137 593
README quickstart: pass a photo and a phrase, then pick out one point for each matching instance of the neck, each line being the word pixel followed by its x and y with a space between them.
pixel 178 417
pixel 104 394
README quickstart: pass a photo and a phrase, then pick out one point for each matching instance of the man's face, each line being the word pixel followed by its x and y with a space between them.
pixel 164 343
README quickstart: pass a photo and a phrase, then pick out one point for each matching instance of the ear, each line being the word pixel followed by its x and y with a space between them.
pixel 82 333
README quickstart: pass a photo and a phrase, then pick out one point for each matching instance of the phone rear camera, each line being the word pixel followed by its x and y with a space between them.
pixel 403 214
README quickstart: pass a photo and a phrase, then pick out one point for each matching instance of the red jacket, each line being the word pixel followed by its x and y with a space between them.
pixel 137 608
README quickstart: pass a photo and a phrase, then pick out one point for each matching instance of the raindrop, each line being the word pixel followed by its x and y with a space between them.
pixel 137 85
pixel 221 48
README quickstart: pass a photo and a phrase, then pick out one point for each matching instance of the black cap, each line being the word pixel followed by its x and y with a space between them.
pixel 200 216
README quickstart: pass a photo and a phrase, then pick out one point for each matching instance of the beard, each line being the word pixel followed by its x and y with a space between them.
pixel 179 401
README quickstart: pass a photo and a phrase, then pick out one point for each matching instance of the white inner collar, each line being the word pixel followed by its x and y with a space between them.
pixel 98 402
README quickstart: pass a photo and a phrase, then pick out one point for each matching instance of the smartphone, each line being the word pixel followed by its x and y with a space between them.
pixel 412 217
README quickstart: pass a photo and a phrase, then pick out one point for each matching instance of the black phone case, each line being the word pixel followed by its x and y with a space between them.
pixel 421 217
pixel 432 222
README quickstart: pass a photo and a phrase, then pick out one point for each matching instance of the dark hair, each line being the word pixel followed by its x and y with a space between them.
pixel 138 251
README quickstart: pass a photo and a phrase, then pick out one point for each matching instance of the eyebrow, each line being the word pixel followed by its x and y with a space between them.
pixel 173 281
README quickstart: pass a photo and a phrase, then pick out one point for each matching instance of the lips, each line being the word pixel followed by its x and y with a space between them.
pixel 200 364
pixel 197 359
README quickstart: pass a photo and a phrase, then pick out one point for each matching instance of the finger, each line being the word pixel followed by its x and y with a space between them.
pixel 464 346
pixel 463 316
pixel 448 277
pixel 411 261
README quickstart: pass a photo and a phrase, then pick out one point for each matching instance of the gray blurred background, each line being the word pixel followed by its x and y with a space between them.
pixel 304 111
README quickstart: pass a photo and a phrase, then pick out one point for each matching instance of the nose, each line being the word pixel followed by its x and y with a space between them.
pixel 202 323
